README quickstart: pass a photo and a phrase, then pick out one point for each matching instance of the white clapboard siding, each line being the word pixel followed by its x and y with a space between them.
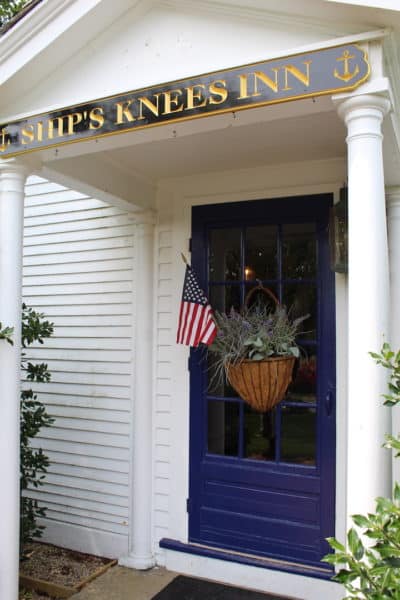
pixel 163 387
pixel 79 271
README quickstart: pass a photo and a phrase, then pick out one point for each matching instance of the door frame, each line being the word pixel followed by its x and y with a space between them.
pixel 301 207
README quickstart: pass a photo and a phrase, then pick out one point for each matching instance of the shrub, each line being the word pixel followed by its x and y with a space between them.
pixel 34 462
pixel 370 566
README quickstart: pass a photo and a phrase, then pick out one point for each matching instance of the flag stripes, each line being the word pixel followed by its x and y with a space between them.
pixel 196 324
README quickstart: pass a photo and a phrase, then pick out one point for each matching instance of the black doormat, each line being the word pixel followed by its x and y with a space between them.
pixel 188 588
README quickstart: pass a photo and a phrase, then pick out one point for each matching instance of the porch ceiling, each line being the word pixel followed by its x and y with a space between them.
pixel 129 167
pixel 267 143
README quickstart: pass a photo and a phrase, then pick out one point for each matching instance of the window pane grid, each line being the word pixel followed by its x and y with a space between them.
pixel 267 441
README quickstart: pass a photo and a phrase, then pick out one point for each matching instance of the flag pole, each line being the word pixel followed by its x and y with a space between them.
pixel 184 259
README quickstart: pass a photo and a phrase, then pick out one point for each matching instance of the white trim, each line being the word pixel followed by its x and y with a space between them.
pixel 100 543
pixel 253 578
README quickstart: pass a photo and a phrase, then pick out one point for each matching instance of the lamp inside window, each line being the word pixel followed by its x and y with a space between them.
pixel 338 234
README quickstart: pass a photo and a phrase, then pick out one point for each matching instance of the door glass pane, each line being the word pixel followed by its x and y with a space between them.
pixel 223 427
pixel 299 251
pixel 261 253
pixel 261 297
pixel 259 434
pixel 224 258
pixel 304 384
pixel 298 435
pixel 225 297
pixel 300 300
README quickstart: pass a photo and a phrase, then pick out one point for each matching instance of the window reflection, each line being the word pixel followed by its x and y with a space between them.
pixel 223 428
pixel 300 300
pixel 259 434
pixel 225 252
pixel 304 384
pixel 225 297
pixel 299 251
pixel 261 252
pixel 298 435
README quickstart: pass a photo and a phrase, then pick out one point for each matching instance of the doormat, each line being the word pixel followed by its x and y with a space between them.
pixel 188 588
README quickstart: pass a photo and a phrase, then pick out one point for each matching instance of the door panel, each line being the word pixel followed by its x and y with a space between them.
pixel 263 483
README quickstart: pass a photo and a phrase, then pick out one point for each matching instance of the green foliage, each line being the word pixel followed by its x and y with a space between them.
pixel 9 8
pixel 6 334
pixel 34 462
pixel 370 565
pixel 255 333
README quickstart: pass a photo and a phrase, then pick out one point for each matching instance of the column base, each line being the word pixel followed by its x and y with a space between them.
pixel 141 563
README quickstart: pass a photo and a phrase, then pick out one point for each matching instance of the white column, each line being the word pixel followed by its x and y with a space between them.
pixel 12 181
pixel 393 212
pixel 368 465
pixel 140 545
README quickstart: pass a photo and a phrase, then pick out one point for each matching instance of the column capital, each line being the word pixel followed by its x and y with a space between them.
pixel 13 175
pixel 11 165
pixel 363 105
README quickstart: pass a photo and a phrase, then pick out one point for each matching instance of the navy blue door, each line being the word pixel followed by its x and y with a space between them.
pixel 264 484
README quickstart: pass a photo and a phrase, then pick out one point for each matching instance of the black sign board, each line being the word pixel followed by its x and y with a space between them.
pixel 327 71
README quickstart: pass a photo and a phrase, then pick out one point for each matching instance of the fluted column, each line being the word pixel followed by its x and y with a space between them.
pixel 393 212
pixel 140 545
pixel 12 182
pixel 368 467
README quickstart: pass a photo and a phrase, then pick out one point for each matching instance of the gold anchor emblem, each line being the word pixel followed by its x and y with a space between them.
pixel 346 76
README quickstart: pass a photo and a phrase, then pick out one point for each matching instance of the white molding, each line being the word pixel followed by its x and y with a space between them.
pixel 253 578
pixel 258 12
pixel 84 539
pixel 392 63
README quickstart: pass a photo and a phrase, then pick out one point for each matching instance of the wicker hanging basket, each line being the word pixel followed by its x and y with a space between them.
pixel 261 383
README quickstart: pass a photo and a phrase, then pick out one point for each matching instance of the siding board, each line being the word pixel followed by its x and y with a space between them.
pixel 79 271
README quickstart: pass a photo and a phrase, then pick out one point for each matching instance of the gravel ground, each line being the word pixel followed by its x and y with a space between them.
pixel 57 565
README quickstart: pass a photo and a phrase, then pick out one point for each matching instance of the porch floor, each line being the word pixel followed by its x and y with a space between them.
pixel 120 583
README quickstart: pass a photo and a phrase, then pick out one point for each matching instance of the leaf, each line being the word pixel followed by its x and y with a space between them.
pixel 361 521
pixel 335 544
pixel 345 576
pixel 355 544
pixel 396 492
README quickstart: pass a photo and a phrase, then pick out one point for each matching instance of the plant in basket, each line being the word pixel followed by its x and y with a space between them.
pixel 255 349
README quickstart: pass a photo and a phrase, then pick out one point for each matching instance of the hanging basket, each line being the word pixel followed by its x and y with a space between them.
pixel 261 383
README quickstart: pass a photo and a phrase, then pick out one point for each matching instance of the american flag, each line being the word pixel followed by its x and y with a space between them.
pixel 196 324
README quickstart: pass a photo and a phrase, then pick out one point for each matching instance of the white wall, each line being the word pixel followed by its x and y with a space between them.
pixel 79 271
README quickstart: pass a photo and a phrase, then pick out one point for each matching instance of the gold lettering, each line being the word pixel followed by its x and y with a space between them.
pixel 123 112
pixel 243 87
pixel 28 132
pixel 39 131
pixel 73 119
pixel 257 76
pixel 218 88
pixel 193 94
pixel 171 99
pixel 96 117
pixel 273 85
pixel 4 140
pixel 58 122
pixel 148 104
pixel 303 78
